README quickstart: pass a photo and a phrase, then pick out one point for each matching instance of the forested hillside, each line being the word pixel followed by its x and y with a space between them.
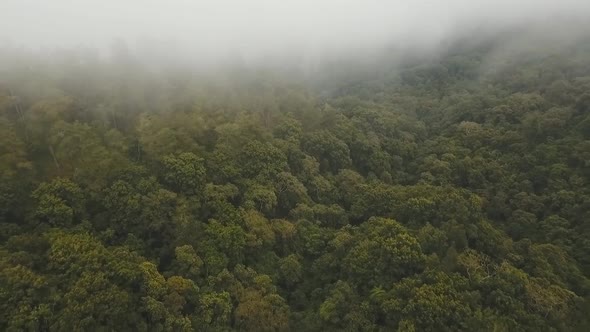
pixel 441 194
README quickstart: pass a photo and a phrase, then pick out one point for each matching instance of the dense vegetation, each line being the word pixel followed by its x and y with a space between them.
pixel 439 195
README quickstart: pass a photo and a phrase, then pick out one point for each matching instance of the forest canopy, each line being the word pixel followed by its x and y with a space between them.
pixel 441 193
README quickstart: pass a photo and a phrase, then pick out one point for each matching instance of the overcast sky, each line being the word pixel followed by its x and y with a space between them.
pixel 262 27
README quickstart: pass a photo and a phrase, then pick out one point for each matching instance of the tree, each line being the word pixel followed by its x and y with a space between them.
pixel 332 153
pixel 184 173
pixel 383 252
pixel 59 202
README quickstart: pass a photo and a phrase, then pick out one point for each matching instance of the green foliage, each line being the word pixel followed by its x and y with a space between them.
pixel 447 194
pixel 58 202
pixel 184 172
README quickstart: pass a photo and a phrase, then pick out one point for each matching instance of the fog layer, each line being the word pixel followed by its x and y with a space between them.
pixel 260 28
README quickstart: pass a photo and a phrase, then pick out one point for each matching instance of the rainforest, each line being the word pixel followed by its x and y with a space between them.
pixel 446 191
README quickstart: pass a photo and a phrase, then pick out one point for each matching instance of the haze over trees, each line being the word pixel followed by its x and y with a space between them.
pixel 412 190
